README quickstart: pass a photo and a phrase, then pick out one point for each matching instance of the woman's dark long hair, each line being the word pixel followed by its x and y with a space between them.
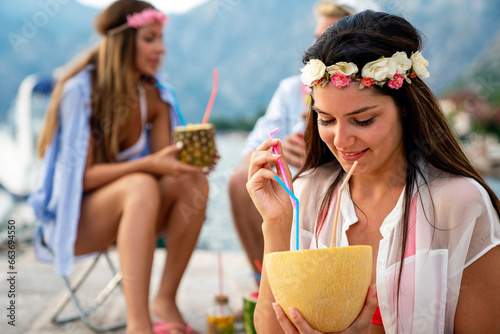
pixel 427 137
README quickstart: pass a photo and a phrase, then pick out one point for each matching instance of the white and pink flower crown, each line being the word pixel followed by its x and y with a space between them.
pixel 140 19
pixel 393 70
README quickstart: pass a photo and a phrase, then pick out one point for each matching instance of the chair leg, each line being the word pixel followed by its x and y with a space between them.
pixel 103 295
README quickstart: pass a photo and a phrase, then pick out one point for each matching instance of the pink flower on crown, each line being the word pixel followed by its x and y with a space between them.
pixel 367 82
pixel 147 16
pixel 341 80
pixel 396 82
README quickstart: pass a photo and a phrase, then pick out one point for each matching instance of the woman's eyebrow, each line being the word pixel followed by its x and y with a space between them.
pixel 355 112
pixel 359 111
pixel 150 31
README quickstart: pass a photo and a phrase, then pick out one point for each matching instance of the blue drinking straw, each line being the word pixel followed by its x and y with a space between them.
pixel 280 164
pixel 176 103
pixel 256 276
pixel 296 200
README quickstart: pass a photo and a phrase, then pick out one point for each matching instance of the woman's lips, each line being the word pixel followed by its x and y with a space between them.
pixel 352 156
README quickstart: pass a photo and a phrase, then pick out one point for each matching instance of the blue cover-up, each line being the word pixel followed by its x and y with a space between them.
pixel 58 196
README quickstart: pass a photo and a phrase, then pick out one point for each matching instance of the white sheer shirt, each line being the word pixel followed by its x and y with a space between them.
pixel 449 236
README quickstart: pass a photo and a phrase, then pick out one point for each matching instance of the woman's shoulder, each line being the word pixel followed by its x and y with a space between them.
pixel 463 215
pixel 161 80
pixel 459 198
pixel 80 81
pixel 165 89
pixel 461 189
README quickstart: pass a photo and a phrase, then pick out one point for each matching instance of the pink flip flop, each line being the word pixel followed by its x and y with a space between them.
pixel 164 328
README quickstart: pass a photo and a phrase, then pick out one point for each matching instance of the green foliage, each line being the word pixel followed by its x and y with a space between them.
pixel 487 80
pixel 483 80
pixel 488 128
pixel 495 98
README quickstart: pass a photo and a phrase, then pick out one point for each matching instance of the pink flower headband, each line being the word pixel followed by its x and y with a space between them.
pixel 140 19
pixel 393 70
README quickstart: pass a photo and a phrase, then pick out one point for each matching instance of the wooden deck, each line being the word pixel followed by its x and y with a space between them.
pixel 39 289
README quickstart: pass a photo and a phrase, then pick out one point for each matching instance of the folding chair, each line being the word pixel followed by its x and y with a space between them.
pixel 84 313
pixel 30 107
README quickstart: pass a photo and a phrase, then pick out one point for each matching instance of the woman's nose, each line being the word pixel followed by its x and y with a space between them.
pixel 343 137
pixel 160 47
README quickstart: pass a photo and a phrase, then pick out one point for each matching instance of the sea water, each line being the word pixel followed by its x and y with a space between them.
pixel 218 232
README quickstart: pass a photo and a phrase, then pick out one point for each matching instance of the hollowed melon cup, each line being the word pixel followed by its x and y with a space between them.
pixel 198 144
pixel 328 286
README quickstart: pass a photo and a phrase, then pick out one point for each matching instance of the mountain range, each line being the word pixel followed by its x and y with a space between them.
pixel 254 44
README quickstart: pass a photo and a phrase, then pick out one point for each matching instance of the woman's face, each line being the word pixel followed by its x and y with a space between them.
pixel 149 48
pixel 360 125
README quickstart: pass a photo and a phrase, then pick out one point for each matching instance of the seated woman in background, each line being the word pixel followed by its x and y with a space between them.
pixel 109 171
pixel 430 218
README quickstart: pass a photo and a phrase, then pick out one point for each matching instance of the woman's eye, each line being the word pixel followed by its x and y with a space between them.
pixel 367 122
pixel 364 123
pixel 322 122
pixel 149 39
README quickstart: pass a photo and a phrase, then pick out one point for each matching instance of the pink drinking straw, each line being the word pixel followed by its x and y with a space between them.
pixel 221 287
pixel 280 164
pixel 212 96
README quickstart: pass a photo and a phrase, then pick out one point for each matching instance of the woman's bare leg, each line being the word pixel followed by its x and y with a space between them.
pixel 126 210
pixel 184 201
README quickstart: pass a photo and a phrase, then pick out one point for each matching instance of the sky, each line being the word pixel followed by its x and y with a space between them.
pixel 182 6
pixel 169 6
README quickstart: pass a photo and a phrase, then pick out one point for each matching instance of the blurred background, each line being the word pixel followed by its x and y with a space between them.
pixel 254 44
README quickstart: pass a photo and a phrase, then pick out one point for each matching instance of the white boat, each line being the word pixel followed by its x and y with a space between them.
pixel 18 141
pixel 19 136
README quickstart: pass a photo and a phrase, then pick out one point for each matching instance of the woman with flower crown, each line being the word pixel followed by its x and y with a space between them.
pixel 109 172
pixel 413 197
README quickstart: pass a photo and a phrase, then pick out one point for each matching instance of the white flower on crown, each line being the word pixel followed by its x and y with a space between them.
pixel 403 63
pixel 391 70
pixel 313 71
pixel 347 69
pixel 379 70
pixel 419 65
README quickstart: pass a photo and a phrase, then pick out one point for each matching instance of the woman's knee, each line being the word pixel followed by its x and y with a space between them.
pixel 141 188
pixel 187 188
pixel 200 182
pixel 237 182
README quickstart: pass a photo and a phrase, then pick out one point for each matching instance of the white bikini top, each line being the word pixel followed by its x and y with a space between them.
pixel 140 144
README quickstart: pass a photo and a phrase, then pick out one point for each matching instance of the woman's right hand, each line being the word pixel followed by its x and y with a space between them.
pixel 164 162
pixel 270 199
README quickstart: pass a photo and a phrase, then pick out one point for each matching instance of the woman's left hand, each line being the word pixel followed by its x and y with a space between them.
pixel 362 324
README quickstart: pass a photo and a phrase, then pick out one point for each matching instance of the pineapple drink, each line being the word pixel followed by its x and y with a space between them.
pixel 327 286
pixel 198 144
